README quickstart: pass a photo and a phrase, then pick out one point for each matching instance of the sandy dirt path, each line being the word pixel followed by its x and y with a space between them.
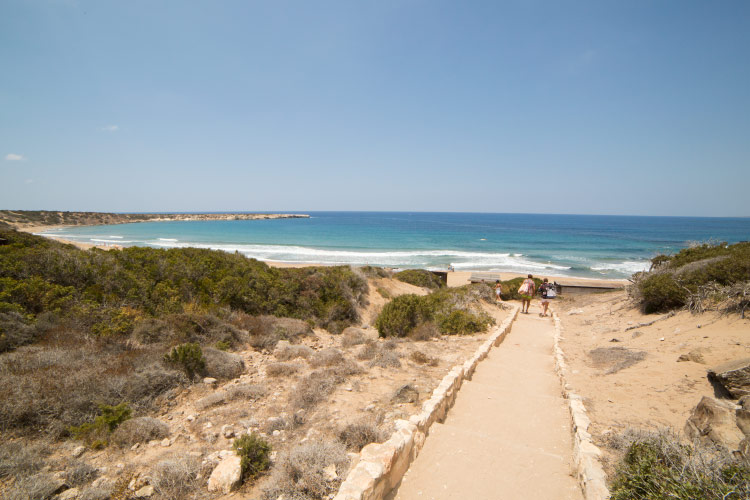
pixel 508 435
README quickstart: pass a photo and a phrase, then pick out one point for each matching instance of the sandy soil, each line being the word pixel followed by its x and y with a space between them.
pixel 634 378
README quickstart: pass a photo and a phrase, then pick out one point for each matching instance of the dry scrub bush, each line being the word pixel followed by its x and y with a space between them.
pixel 299 473
pixel 266 331
pixel 327 357
pixel 213 399
pixel 53 387
pixel 275 424
pixel 223 365
pixel 21 458
pixel 177 478
pixel 386 359
pixel 357 435
pixel 314 388
pixel 423 359
pixel 79 473
pixel 286 352
pixel 246 391
pixel 96 493
pixel 614 359
pixel 368 351
pixel 281 369
pixel 353 336
pixel 424 331
pixel 139 430
pixel 37 487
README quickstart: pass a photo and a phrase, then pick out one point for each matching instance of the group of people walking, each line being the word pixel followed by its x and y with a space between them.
pixel 527 290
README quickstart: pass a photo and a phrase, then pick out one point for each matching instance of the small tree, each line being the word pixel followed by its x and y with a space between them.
pixel 189 357
pixel 254 453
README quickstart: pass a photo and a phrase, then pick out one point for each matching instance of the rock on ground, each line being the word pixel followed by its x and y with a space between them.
pixel 734 376
pixel 226 476
pixel 715 420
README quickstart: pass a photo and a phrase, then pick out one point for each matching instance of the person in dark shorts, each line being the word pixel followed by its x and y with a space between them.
pixel 547 291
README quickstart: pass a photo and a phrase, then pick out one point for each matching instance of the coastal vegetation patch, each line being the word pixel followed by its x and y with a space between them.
pixel 657 465
pixel 704 276
pixel 420 277
pixel 80 329
pixel 450 310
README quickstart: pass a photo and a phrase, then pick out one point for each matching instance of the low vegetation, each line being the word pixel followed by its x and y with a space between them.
pixel 453 311
pixel 420 277
pixel 657 465
pixel 705 276
pixel 254 453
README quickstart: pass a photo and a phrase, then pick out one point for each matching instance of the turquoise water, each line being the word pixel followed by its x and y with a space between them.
pixel 555 245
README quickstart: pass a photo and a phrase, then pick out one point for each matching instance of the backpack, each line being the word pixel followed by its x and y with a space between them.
pixel 525 288
pixel 548 291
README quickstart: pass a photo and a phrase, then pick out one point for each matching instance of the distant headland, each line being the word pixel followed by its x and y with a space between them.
pixel 24 219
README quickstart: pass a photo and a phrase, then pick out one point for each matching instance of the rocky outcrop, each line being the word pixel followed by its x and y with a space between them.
pixel 715 420
pixel 227 476
pixel 733 376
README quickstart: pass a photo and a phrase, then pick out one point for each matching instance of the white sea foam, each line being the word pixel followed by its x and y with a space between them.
pixel 627 267
pixel 117 237
pixel 168 239
pixel 103 240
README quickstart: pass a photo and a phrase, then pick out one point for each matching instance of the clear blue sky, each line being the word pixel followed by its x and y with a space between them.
pixel 607 107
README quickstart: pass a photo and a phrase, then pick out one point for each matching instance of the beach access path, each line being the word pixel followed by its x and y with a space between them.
pixel 508 435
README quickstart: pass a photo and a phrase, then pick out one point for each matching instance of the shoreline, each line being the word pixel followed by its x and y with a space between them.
pixel 454 278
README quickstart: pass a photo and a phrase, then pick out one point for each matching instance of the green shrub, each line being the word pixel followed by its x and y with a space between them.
pixel 254 453
pixel 678 279
pixel 658 467
pixel 96 433
pixel 463 322
pixel 420 277
pixel 661 292
pixel 383 292
pixel 189 357
pixel 223 345
pixel 453 310
pixel 401 315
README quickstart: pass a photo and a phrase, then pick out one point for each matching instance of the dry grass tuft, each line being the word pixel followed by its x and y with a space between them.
pixel 38 487
pixel 353 336
pixel 421 358
pixel 286 352
pixel 79 473
pixel 357 435
pixel 246 391
pixel 424 331
pixel 386 359
pixel 21 459
pixel 282 369
pixel 213 399
pixel 327 357
pixel 223 365
pixel 177 478
pixel 139 430
pixel 303 473
pixel 368 351
pixel 314 388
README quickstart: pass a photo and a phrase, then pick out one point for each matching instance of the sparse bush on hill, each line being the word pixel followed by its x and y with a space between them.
pixel 657 465
pixel 702 276
pixel 453 310
pixel 139 430
pixel 299 473
pixel 254 453
pixel 374 272
pixel 420 277
pixel 188 357
pixel 97 433
pixel 357 435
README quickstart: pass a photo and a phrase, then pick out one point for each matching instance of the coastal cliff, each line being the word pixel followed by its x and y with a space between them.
pixel 21 219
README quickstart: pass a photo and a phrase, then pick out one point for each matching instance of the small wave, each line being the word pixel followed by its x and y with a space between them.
pixel 168 239
pixel 628 266
pixel 117 237
pixel 101 240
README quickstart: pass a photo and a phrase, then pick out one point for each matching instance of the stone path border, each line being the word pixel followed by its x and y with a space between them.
pixel 382 465
pixel 586 455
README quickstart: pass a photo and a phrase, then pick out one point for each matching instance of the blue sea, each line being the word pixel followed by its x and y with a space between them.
pixel 588 246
